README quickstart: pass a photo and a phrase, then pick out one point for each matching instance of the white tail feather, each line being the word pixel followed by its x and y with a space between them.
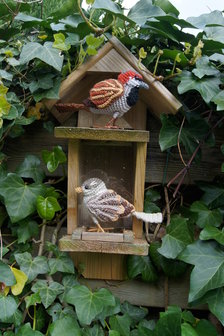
pixel 149 217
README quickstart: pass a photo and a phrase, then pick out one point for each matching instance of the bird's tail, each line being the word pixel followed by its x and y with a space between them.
pixel 69 107
pixel 149 217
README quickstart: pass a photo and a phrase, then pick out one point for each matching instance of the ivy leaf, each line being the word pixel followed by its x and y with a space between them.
pixel 57 312
pixel 32 300
pixel 45 53
pixel 187 330
pixel 170 321
pixel 30 168
pixel 204 67
pixel 8 307
pixel 141 265
pixel 66 326
pixel 52 93
pixel 121 324
pixel 205 328
pixel 19 198
pixel 168 133
pixel 47 292
pixel 209 267
pixel 135 313
pixel 143 10
pixel 215 33
pixel 60 43
pixel 96 330
pixel 89 304
pixel 21 279
pixel 213 195
pixel 219 100
pixel 208 87
pixel 26 229
pixel 53 158
pixel 211 232
pixel 68 282
pixel 114 333
pixel 205 19
pixel 108 6
pixel 32 267
pixel 26 330
pixel 6 274
pixel 62 264
pixel 215 303
pixel 205 215
pixel 178 236
pixel 46 207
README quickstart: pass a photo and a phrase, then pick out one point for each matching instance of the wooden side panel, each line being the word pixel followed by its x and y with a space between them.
pixel 141 149
pixel 101 266
pixel 73 181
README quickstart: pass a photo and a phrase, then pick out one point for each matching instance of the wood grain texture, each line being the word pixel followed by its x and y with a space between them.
pixel 146 294
pixel 100 265
pixel 140 161
pixel 103 236
pixel 73 182
pixel 137 247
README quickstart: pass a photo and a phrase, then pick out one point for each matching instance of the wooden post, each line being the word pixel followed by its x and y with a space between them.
pixel 73 180
pixel 141 150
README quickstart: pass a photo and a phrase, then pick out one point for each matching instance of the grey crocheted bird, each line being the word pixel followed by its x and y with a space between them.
pixel 113 97
pixel 105 205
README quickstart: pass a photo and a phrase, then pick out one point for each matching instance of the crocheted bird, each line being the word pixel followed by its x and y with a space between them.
pixel 113 97
pixel 105 205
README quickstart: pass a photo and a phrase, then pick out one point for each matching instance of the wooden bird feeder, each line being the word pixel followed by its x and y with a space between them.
pixel 116 156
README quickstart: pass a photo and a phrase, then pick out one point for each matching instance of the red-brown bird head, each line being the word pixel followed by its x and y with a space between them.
pixel 132 78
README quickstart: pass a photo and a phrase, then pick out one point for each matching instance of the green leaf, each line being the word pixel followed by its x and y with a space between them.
pixel 108 6
pixel 215 33
pixel 114 333
pixel 205 215
pixel 26 330
pixel 32 300
pixel 52 93
pixel 66 326
pixel 213 195
pixel 167 7
pixel 170 321
pixel 215 303
pixel 6 75
pixel 178 236
pixel 57 312
pixel 187 330
pixel 93 41
pixel 47 292
pixel 172 54
pixel 168 133
pixel 204 67
pixel 121 324
pixel 30 168
pixel 32 267
pixel 143 10
pixel 53 158
pixel 203 20
pixel 136 314
pixel 6 275
pixel 141 265
pixel 219 101
pixel 60 43
pixel 211 232
pixel 19 198
pixel 208 87
pixel 89 304
pixel 27 18
pixel 209 267
pixel 8 307
pixel 27 228
pixel 96 330
pixel 205 328
pixel 46 207
pixel 62 264
pixel 63 8
pixel 45 53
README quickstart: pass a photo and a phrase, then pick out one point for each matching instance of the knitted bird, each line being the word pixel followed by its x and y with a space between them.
pixel 105 205
pixel 113 97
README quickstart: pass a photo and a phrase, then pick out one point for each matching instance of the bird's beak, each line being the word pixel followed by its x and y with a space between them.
pixel 144 85
pixel 78 190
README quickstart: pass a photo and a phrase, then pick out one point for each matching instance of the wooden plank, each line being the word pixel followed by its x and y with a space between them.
pixel 103 236
pixel 100 265
pixel 137 247
pixel 73 182
pixel 158 98
pixel 128 236
pixel 77 75
pixel 141 149
pixel 144 294
pixel 86 133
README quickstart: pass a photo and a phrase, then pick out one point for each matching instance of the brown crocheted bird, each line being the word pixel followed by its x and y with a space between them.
pixel 105 205
pixel 112 97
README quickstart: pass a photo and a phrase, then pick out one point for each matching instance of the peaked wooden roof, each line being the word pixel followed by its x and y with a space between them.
pixel 113 58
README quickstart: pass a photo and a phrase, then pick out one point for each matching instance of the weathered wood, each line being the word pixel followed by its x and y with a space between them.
pixel 137 247
pixel 103 236
pixel 139 181
pixel 77 233
pixel 128 236
pixel 85 133
pixel 73 182
pixel 146 294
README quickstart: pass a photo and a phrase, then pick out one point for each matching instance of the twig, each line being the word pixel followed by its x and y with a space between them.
pixel 1 243
pixel 178 142
pixel 55 234
pixel 167 206
pixel 42 238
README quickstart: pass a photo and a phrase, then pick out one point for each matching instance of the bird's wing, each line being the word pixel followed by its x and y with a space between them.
pixel 107 206
pixel 128 207
pixel 105 92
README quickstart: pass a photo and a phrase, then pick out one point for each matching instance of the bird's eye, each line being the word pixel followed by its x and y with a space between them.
pixel 87 187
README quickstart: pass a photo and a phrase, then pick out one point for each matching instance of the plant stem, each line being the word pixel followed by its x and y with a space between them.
pixel 34 317
pixel 42 238
pixel 160 52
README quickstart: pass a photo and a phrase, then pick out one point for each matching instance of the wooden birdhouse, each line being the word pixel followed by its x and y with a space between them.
pixel 115 156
